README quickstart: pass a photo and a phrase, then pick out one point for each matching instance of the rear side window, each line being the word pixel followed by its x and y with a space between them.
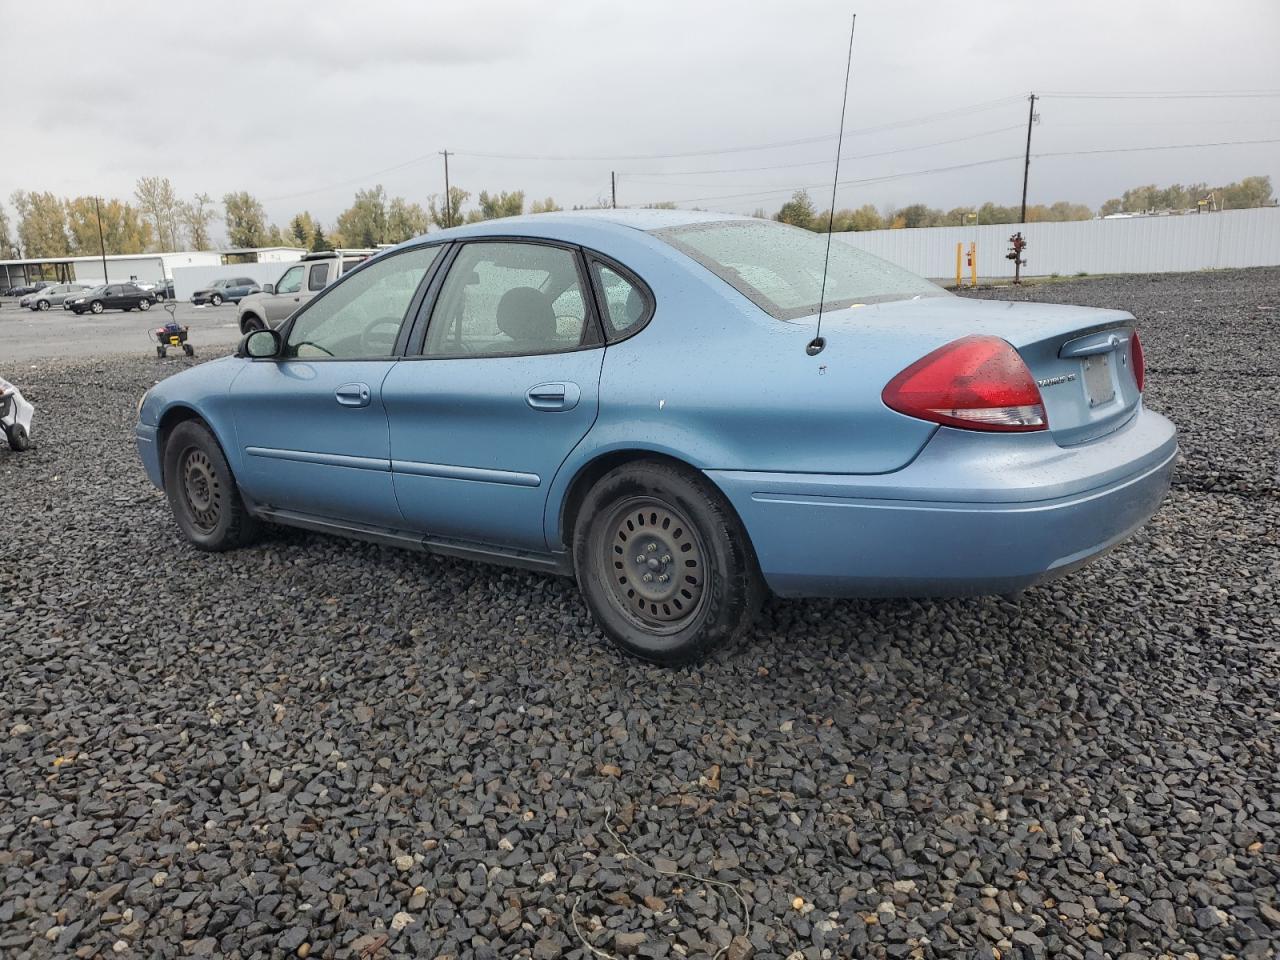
pixel 509 299
pixel 243 282
pixel 318 276
pixel 625 304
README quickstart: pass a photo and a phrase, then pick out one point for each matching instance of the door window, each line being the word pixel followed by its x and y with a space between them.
pixel 317 276
pixel 291 282
pixel 625 304
pixel 361 316
pixel 503 298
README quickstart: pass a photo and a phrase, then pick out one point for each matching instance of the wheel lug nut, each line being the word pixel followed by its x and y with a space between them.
pixel 652 548
pixel 666 558
pixel 664 578
pixel 639 558
pixel 648 578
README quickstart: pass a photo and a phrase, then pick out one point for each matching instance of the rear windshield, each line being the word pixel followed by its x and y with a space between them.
pixel 779 267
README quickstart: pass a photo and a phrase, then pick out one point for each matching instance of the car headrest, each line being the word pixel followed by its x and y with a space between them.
pixel 526 314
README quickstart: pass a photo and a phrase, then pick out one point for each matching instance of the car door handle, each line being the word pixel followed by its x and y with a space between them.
pixel 353 394
pixel 553 396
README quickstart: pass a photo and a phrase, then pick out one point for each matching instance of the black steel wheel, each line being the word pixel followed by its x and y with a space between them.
pixel 202 492
pixel 664 563
pixel 17 437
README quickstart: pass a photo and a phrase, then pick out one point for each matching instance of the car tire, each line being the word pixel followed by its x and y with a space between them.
pixel 216 299
pixel 42 305
pixel 17 437
pixel 250 322
pixel 665 521
pixel 96 306
pixel 144 304
pixel 202 492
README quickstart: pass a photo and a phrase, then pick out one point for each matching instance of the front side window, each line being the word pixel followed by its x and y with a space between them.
pixel 317 276
pixel 509 298
pixel 779 268
pixel 291 282
pixel 361 317
pixel 625 304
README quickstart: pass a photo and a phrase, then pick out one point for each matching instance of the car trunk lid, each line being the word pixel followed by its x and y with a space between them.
pixel 1080 357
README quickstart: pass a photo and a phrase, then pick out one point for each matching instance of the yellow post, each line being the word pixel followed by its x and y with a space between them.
pixel 959 268
pixel 973 263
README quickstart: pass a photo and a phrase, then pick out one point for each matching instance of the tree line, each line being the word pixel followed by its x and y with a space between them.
pixel 1249 192
pixel 157 219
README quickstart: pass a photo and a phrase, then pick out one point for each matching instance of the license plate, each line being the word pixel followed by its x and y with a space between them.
pixel 1098 384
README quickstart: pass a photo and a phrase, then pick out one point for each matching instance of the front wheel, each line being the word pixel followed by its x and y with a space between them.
pixel 96 306
pixel 42 305
pixel 216 299
pixel 250 322
pixel 664 564
pixel 144 304
pixel 202 493
pixel 17 437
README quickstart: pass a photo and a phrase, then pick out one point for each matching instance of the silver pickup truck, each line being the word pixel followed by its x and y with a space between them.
pixel 298 284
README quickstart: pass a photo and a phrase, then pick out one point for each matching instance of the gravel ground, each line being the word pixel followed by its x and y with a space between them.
pixel 323 748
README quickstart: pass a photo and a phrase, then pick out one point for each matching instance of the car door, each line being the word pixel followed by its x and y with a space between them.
pixel 113 297
pixel 311 423
pixel 288 295
pixel 503 387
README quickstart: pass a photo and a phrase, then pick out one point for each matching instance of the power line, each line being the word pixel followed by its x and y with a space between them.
pixel 1164 95
pixel 893 125
pixel 1165 146
pixel 814 163
pixel 364 178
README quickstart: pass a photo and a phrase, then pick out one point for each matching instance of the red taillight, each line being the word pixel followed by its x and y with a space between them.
pixel 1139 361
pixel 976 382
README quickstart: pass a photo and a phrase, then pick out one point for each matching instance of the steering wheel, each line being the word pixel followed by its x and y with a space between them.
pixel 374 341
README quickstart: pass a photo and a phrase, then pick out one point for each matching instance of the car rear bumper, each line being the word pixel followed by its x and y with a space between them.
pixel 972 514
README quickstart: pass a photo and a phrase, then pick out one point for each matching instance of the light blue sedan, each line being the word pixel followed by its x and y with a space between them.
pixel 635 398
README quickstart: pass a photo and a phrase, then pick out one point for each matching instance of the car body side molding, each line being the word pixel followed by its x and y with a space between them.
pixel 447 471
pixel 327 459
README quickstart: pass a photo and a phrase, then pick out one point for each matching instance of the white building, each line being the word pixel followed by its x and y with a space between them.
pixel 134 266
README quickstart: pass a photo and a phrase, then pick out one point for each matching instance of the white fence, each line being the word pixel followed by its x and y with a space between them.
pixel 1232 238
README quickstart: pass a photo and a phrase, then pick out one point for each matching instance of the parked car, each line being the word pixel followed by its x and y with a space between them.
pixel 27 288
pixel 53 295
pixel 163 290
pixel 296 286
pixel 233 289
pixel 638 399
pixel 112 296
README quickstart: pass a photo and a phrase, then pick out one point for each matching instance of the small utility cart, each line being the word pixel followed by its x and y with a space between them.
pixel 15 416
pixel 172 334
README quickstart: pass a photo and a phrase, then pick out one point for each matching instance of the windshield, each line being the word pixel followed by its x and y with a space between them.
pixel 779 268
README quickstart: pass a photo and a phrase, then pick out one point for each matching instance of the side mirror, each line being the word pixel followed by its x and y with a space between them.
pixel 260 345
pixel 268 288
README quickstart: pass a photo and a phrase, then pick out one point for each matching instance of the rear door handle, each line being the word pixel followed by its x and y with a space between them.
pixel 353 394
pixel 553 396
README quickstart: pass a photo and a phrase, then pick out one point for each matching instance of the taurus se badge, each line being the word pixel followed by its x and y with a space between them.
pixel 1054 381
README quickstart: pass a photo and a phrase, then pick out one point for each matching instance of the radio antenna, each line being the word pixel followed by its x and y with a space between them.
pixel 817 344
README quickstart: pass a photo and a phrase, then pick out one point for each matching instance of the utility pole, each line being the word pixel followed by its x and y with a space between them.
pixel 448 201
pixel 613 187
pixel 102 244
pixel 1026 166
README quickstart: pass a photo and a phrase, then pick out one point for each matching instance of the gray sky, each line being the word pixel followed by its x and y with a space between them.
pixel 302 102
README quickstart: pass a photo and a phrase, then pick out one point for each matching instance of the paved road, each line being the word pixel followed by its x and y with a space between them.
pixel 27 336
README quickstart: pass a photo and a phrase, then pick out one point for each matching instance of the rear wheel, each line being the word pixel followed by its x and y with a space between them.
pixel 202 493
pixel 17 437
pixel 664 564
